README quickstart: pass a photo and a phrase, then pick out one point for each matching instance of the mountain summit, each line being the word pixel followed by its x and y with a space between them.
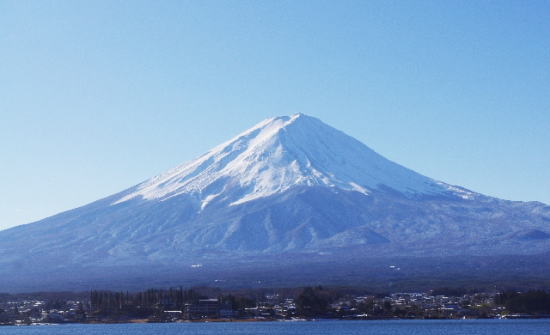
pixel 290 190
pixel 281 153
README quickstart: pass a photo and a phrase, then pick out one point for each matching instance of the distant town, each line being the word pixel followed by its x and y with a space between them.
pixel 297 304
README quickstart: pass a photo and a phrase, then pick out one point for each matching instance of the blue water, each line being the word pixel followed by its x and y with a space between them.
pixel 409 327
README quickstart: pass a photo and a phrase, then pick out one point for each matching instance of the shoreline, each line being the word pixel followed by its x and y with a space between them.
pixel 252 320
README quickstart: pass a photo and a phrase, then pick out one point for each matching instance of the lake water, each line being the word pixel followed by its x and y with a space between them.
pixel 409 327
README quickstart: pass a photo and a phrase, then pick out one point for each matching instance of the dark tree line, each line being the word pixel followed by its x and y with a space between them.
pixel 528 302
pixel 313 302
pixel 154 302
pixel 237 302
pixel 140 303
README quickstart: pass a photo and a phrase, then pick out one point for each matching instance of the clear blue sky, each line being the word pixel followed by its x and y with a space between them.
pixel 96 96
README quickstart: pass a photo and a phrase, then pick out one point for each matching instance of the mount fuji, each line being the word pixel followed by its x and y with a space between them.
pixel 289 199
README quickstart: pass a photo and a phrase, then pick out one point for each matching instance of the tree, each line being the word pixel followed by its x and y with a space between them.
pixel 311 303
pixel 528 302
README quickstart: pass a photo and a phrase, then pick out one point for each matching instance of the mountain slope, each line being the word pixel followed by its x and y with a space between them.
pixel 289 186
pixel 280 153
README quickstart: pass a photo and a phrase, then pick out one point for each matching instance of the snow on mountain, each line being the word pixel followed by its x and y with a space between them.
pixel 290 185
pixel 283 152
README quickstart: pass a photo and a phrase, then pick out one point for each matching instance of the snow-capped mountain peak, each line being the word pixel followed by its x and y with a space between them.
pixel 278 154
